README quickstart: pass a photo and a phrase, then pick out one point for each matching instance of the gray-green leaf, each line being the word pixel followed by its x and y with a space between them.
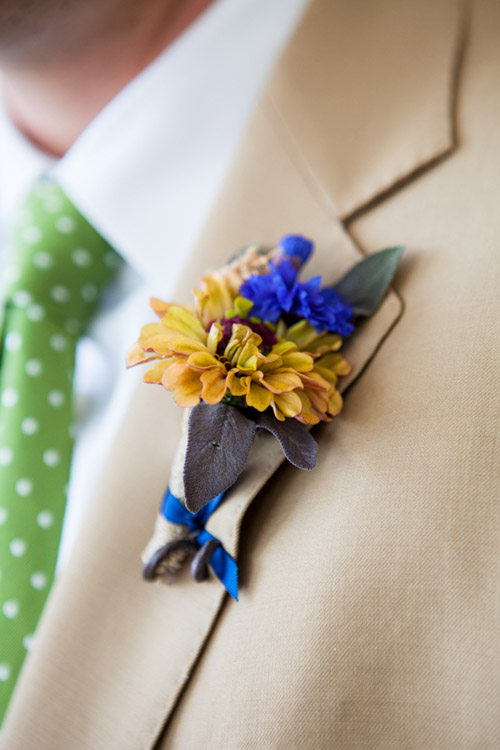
pixel 298 445
pixel 219 441
pixel 366 284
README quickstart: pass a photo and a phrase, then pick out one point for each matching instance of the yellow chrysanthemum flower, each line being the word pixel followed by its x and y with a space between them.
pixel 215 297
pixel 193 365
pixel 296 376
pixel 318 404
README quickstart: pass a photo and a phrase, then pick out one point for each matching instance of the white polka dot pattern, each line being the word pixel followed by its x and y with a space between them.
pixel 13 341
pixel 54 276
pixel 56 398
pixel 38 580
pixel 65 224
pixel 45 519
pixel 33 367
pixel 24 487
pixel 10 608
pixel 43 260
pixel 21 298
pixel 17 547
pixel 10 397
pixel 58 342
pixel 6 455
pixel 29 425
pixel 60 293
pixel 28 642
pixel 81 257
pixel 51 457
pixel 35 313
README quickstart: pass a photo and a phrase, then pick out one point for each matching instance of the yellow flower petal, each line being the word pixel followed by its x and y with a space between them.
pixel 326 374
pixel 214 337
pixel 335 403
pixel 237 385
pixel 307 415
pixel 271 363
pixel 319 401
pixel 204 360
pixel 335 362
pixel 315 381
pixel 184 345
pixel 248 357
pixel 160 308
pixel 257 397
pixel 242 348
pixel 287 404
pixel 214 385
pixel 309 340
pixel 151 329
pixel 298 361
pixel 328 342
pixel 180 320
pixel 283 347
pixel 158 344
pixel 281 382
pixel 184 382
pixel 215 297
pixel 155 374
pixel 137 356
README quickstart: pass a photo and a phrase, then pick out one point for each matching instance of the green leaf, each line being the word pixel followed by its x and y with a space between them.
pixel 219 441
pixel 366 284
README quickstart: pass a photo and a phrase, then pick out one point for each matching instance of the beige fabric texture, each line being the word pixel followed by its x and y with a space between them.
pixel 369 612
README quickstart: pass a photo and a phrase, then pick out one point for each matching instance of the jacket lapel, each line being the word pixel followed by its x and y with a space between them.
pixel 113 652
pixel 384 110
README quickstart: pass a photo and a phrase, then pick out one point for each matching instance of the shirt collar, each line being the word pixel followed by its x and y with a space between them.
pixel 147 170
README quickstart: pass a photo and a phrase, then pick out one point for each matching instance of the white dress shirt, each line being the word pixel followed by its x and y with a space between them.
pixel 145 173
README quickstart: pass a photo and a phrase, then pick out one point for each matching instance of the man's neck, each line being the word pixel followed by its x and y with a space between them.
pixel 52 101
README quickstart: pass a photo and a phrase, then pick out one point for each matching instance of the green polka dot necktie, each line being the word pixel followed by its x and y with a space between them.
pixel 57 268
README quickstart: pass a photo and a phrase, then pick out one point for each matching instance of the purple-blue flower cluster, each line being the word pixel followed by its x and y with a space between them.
pixel 280 292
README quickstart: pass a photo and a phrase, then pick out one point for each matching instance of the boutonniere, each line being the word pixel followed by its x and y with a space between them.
pixel 258 350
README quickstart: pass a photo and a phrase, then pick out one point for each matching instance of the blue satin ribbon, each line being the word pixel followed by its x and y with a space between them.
pixel 223 565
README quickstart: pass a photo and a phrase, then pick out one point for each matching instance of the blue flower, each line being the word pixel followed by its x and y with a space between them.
pixel 261 290
pixel 296 246
pixel 326 310
pixel 279 292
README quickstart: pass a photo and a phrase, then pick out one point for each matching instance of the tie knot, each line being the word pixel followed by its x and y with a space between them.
pixel 58 264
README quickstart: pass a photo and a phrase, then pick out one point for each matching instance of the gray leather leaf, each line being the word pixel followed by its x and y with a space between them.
pixel 219 441
pixel 299 446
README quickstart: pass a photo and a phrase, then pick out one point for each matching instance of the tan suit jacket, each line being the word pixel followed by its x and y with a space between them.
pixel 369 614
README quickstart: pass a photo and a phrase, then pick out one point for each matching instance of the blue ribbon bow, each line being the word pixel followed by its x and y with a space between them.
pixel 223 565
